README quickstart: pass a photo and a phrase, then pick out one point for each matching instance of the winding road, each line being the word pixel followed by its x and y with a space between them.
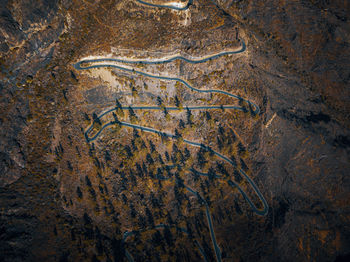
pixel 110 63
pixel 173 5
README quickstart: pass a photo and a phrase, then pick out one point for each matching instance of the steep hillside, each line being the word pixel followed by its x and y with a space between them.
pixel 174 130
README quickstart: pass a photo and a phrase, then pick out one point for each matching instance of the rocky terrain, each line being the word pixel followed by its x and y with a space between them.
pixel 79 186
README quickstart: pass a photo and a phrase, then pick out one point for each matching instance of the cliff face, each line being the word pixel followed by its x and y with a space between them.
pixel 302 49
pixel 65 197
pixel 311 38
pixel 28 37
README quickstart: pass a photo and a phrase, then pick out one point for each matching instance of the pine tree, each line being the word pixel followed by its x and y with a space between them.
pixel 159 101
pixel 96 119
pixel 177 101
pixel 118 104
